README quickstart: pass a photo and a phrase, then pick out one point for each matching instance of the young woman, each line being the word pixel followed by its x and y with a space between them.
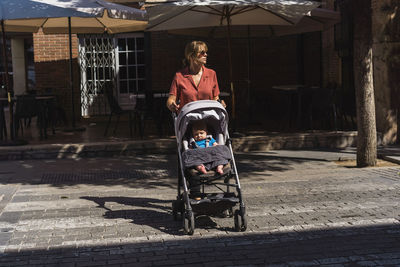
pixel 194 81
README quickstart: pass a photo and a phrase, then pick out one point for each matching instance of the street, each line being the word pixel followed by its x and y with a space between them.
pixel 302 211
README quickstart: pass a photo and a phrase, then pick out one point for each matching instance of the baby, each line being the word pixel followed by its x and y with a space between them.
pixel 199 131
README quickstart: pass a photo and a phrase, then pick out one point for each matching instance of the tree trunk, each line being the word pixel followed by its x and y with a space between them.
pixel 363 82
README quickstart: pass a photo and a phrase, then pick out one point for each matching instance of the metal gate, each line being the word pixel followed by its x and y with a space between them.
pixel 97 66
pixel 117 59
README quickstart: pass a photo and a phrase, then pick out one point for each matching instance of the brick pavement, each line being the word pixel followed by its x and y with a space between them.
pixel 116 212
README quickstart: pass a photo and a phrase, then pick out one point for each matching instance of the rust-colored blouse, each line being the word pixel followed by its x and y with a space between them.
pixel 185 90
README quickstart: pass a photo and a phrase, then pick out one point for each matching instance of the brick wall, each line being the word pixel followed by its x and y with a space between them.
pixel 54 47
pixel 51 56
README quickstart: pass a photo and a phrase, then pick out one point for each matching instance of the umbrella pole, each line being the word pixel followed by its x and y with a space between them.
pixel 230 68
pixel 7 82
pixel 71 74
pixel 249 118
pixel 71 80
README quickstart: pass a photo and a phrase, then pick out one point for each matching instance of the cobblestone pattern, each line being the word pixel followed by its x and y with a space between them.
pixel 299 214
pixel 100 176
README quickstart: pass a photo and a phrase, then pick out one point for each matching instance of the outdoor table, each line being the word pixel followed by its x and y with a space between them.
pixel 294 91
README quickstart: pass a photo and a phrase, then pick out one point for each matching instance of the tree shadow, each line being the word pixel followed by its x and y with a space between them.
pixel 268 162
pixel 140 171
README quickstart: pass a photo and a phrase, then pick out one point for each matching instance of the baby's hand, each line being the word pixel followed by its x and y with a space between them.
pixel 215 144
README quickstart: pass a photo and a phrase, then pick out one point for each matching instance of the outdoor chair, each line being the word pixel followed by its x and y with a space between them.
pixel 323 108
pixel 3 126
pixel 55 113
pixel 149 110
pixel 26 108
pixel 282 107
pixel 346 106
pixel 306 108
pixel 115 109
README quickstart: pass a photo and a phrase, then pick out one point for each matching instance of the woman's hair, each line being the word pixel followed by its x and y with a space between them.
pixel 191 51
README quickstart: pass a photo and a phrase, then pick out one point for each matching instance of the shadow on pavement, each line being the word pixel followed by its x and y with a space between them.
pixel 142 171
pixel 152 172
pixel 152 212
pixel 265 162
pixel 347 246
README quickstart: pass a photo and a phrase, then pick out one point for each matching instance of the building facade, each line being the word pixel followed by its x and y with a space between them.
pixel 143 62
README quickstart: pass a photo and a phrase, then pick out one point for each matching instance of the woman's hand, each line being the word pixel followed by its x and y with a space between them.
pixel 223 103
pixel 216 98
pixel 171 104
pixel 173 107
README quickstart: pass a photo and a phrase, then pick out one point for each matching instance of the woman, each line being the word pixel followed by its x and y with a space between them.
pixel 194 81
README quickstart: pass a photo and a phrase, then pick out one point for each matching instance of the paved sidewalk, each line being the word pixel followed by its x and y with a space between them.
pixel 302 210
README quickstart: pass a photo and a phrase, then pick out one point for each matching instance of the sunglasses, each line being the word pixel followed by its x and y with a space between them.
pixel 202 53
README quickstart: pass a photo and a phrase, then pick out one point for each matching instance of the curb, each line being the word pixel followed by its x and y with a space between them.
pixel 273 141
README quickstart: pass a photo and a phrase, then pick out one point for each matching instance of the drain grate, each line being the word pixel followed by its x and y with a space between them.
pixel 95 176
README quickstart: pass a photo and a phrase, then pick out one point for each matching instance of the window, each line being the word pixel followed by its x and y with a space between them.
pixel 131 64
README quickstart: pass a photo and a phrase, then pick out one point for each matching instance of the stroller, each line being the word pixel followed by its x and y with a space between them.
pixel 212 203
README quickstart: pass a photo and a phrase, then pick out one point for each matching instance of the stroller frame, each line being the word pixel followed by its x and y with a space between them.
pixel 184 205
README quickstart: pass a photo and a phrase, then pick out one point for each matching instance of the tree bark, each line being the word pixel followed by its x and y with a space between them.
pixel 363 82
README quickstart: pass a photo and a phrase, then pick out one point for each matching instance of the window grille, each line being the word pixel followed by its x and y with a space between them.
pixel 97 65
pixel 117 59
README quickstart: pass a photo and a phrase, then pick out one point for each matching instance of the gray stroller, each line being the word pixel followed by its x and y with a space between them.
pixel 217 196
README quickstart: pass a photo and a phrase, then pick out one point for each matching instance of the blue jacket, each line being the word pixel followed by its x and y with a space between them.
pixel 209 141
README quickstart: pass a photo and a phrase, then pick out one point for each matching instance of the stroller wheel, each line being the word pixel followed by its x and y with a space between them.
pixel 177 206
pixel 188 222
pixel 240 221
pixel 175 209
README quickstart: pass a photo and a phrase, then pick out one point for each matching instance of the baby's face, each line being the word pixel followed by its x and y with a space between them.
pixel 199 135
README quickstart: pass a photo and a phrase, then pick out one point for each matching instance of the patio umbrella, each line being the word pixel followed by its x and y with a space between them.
pixel 87 16
pixel 60 16
pixel 318 19
pixel 209 13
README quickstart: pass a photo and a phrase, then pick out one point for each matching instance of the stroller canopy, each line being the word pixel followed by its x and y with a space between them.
pixel 211 111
